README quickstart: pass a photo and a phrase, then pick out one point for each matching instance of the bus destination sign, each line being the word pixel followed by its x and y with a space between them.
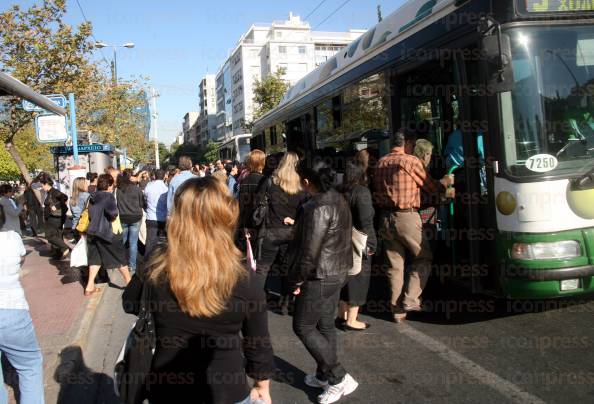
pixel 558 6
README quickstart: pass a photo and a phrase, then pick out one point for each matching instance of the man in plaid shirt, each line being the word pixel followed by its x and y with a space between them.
pixel 399 178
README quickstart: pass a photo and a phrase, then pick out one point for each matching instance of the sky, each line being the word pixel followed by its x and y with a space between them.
pixel 177 42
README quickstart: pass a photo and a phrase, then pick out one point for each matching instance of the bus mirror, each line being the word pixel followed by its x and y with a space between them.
pixel 497 59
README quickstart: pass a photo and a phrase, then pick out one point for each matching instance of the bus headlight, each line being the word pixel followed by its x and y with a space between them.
pixel 546 251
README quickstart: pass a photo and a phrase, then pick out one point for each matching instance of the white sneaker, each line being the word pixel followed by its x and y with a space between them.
pixel 313 381
pixel 333 393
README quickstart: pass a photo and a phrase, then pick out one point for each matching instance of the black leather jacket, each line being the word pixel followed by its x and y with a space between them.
pixel 57 200
pixel 322 245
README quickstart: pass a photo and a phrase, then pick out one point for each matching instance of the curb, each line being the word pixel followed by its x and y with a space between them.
pixel 69 360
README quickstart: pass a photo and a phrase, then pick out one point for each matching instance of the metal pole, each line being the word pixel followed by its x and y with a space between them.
pixel 115 67
pixel 73 127
pixel 154 125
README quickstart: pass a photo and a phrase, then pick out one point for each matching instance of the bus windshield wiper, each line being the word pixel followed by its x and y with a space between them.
pixel 584 182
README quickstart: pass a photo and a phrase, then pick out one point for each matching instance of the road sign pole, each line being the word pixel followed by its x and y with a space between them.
pixel 73 127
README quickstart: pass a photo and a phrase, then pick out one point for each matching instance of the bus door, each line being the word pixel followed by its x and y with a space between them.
pixel 431 106
pixel 474 204
pixel 295 138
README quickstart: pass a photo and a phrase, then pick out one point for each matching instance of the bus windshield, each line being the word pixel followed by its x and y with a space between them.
pixel 550 111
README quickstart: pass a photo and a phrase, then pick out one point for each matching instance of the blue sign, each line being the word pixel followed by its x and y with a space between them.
pixel 57 99
pixel 83 148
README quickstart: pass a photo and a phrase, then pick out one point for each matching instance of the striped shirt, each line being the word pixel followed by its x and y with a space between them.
pixel 398 181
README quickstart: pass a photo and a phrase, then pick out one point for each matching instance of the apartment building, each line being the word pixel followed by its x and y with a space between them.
pixel 290 45
pixel 208 109
pixel 224 90
pixel 191 127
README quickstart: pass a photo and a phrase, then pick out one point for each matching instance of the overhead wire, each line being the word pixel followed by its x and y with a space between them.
pixel 320 4
pixel 332 14
pixel 92 35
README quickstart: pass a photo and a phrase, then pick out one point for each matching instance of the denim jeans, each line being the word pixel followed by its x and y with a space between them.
pixel 19 344
pixel 273 247
pixel 313 323
pixel 130 235
pixel 154 229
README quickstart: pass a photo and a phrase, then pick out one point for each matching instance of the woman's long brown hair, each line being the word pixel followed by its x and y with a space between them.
pixel 201 263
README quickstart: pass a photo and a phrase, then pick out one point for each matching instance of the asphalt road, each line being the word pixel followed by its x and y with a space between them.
pixel 465 349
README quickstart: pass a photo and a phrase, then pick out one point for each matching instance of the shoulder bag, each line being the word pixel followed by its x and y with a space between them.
pixel 261 211
pixel 359 240
pixel 133 364
pixel 84 220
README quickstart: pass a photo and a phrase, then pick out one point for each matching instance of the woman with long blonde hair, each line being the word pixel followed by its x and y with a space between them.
pixel 202 296
pixel 284 196
pixel 78 201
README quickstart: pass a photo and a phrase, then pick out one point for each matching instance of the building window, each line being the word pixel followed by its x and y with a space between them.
pixel 302 50
pixel 282 49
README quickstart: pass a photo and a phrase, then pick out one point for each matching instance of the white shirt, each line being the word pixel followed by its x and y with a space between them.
pixel 12 212
pixel 155 195
pixel 12 249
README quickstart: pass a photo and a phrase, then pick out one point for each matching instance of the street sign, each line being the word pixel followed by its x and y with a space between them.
pixel 83 148
pixel 51 129
pixel 57 99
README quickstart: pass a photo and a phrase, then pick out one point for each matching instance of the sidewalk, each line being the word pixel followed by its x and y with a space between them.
pixel 60 311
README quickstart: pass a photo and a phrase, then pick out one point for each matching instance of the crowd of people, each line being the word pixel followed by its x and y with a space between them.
pixel 209 303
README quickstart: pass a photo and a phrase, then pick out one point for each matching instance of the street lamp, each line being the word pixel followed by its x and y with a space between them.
pixel 114 69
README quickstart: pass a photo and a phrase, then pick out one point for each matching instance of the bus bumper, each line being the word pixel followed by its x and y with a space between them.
pixel 545 279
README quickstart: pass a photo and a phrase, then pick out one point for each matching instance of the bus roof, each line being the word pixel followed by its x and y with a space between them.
pixel 399 25
pixel 11 86
pixel 245 135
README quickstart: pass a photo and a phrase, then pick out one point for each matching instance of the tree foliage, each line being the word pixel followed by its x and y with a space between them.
pixel 164 155
pixel 211 152
pixel 116 115
pixel 36 156
pixel 201 155
pixel 269 92
pixel 40 49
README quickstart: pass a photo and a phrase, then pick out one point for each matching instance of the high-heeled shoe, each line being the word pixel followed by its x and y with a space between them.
pixel 347 327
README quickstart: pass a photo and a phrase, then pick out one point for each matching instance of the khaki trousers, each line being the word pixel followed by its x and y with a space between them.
pixel 402 233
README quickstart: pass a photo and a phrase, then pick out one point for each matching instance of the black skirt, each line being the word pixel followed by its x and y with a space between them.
pixel 108 255
pixel 357 286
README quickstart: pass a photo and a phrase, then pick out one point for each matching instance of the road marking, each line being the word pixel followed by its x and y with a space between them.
pixel 504 387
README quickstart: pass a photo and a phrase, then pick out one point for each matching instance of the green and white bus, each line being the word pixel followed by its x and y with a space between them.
pixel 515 78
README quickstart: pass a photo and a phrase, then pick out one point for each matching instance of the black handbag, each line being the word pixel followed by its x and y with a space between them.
pixel 136 356
pixel 261 210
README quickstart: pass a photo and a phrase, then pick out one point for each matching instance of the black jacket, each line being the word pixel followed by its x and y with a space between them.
pixel 208 356
pixel 102 211
pixel 363 213
pixel 57 200
pixel 280 204
pixel 130 203
pixel 322 245
pixel 248 190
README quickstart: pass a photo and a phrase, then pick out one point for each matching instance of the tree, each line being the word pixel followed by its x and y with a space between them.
pixel 38 48
pixel 118 116
pixel 211 153
pixel 268 93
pixel 164 154
pixel 185 149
